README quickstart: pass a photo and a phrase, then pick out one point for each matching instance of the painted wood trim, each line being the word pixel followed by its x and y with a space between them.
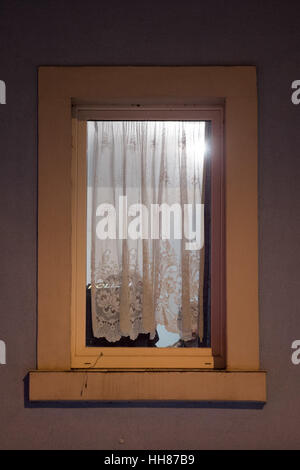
pixel 160 357
pixel 59 87
pixel 173 385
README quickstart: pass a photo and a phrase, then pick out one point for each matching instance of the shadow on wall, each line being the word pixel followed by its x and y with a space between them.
pixel 144 404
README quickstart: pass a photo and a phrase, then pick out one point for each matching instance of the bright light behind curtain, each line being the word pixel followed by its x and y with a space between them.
pixel 137 284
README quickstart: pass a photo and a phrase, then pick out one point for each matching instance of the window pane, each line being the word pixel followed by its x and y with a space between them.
pixel 148 233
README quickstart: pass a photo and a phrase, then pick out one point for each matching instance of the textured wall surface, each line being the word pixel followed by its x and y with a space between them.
pixel 63 32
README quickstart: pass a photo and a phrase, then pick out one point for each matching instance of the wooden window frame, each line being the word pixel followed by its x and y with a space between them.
pixel 128 358
pixel 59 89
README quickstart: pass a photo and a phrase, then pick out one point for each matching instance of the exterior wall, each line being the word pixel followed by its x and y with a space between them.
pixel 265 34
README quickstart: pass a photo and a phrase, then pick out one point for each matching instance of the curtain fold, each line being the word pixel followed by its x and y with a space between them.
pixel 141 273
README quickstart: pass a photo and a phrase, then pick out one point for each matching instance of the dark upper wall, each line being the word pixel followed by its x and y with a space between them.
pixel 55 32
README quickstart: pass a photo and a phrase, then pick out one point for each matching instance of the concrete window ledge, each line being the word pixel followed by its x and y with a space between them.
pixel 151 385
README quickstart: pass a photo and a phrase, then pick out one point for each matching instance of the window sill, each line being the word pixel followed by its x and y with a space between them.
pixel 151 385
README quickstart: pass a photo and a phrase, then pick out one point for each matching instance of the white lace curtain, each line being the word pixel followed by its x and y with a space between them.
pixel 140 281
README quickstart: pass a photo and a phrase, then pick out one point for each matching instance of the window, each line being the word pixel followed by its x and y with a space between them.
pixel 68 368
pixel 145 187
pixel 116 157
